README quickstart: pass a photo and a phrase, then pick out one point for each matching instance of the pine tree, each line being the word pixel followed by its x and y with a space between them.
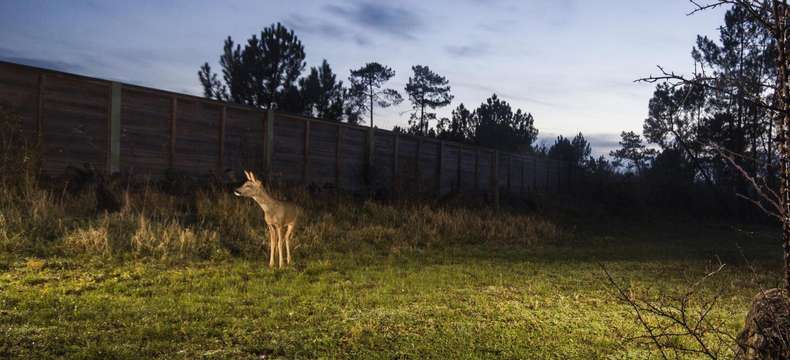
pixel 427 90
pixel 263 72
pixel 322 93
pixel 366 89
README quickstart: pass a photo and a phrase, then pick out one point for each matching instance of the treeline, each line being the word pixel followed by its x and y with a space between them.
pixel 708 127
pixel 270 68
pixel 700 137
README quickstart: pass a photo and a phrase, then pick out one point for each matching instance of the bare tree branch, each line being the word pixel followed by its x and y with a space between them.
pixel 764 192
pixel 704 82
pixel 672 319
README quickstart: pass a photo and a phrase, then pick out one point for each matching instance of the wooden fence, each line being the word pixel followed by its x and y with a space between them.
pixel 144 131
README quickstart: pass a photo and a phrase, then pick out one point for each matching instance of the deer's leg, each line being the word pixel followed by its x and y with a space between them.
pixel 280 236
pixel 272 244
pixel 288 233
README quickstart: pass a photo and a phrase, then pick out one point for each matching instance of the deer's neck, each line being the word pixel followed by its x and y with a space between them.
pixel 264 200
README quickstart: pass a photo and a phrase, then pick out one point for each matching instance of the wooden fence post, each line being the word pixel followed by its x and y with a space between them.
pixel 395 156
pixel 173 114
pixel 439 168
pixel 559 176
pixel 458 170
pixel 523 173
pixel 418 180
pixel 40 113
pixel 306 169
pixel 337 155
pixel 268 144
pixel 221 160
pixel 477 169
pixel 370 167
pixel 495 178
pixel 572 181
pixel 509 170
pixel 114 149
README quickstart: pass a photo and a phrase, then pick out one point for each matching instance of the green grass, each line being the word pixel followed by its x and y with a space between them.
pixel 527 300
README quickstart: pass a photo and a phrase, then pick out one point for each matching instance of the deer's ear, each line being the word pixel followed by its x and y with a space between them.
pixel 247 175
pixel 252 177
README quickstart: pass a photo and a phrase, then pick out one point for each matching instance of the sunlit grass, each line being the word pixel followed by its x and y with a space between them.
pixel 365 286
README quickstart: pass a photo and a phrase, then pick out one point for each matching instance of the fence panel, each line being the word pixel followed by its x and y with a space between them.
pixel 20 92
pixel 288 157
pixel 145 131
pixel 383 160
pixel 196 137
pixel 429 166
pixel 407 164
pixel 244 134
pixel 352 155
pixel 484 166
pixel 75 114
pixel 323 151
pixel 449 178
pixel 467 169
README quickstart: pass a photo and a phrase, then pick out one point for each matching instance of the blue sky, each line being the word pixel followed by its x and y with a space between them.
pixel 571 63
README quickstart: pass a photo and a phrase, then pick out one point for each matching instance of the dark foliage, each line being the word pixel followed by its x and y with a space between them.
pixel 427 90
pixel 322 94
pixel 263 72
pixel 367 90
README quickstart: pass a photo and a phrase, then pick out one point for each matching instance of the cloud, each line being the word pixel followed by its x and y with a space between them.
pixel 361 40
pixel 502 95
pixel 608 141
pixel 499 26
pixel 395 21
pixel 304 24
pixel 556 14
pixel 601 143
pixel 41 62
pixel 466 51
pixel 323 28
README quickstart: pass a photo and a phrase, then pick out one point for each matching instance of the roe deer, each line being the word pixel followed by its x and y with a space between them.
pixel 281 216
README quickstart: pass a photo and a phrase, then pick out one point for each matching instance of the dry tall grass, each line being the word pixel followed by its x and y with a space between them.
pixel 42 218
pixel 213 223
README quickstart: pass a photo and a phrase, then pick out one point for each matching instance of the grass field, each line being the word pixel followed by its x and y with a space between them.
pixel 370 282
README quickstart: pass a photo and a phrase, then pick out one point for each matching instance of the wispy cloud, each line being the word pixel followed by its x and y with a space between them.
pixel 361 40
pixel 601 143
pixel 304 24
pixel 11 56
pixel 472 50
pixel 324 28
pixel 608 141
pixel 391 20
pixel 504 95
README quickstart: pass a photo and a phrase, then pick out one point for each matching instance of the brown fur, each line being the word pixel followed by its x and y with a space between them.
pixel 281 217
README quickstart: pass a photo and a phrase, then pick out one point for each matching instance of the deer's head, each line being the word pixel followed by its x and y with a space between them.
pixel 251 187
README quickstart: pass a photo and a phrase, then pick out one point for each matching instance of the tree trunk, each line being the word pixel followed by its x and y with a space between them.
pixel 782 127
pixel 370 86
pixel 423 125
